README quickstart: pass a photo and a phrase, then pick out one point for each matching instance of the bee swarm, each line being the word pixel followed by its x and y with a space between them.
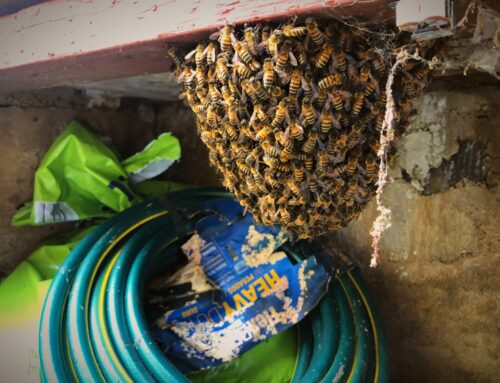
pixel 292 117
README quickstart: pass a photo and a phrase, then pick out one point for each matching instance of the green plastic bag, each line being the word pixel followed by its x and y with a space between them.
pixel 156 157
pixel 22 295
pixel 81 178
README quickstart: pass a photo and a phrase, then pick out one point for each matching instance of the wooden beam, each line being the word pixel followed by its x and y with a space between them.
pixel 66 42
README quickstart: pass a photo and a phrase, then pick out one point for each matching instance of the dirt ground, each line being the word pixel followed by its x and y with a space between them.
pixel 437 284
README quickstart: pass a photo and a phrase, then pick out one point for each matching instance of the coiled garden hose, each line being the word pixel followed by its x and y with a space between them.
pixel 93 326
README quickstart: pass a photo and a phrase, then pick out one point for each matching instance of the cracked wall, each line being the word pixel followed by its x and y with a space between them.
pixel 437 283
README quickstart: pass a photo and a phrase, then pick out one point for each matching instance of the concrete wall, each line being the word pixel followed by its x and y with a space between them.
pixel 437 284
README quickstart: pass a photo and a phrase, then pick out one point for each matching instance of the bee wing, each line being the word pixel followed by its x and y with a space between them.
pixel 190 54
pixel 213 54
pixel 191 76
pixel 259 75
pixel 336 123
pixel 236 59
pixel 233 38
pixel 215 35
pixel 293 60
pixel 253 118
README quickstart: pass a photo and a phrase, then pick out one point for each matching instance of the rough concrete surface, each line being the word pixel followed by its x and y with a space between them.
pixel 437 284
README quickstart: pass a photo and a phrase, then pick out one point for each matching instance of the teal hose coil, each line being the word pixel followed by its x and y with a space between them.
pixel 93 326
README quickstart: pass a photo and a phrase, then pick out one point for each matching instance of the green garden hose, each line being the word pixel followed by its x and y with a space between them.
pixel 93 325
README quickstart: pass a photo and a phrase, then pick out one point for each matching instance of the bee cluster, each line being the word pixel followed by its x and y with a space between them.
pixel 292 118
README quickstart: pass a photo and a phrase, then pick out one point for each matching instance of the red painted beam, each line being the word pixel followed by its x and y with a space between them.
pixel 65 42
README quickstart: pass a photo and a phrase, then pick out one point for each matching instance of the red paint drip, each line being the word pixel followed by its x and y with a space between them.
pixel 226 11
pixel 113 2
pixel 193 10
pixel 154 8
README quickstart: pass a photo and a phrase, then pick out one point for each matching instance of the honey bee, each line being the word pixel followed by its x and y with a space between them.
pixel 252 158
pixel 284 56
pixel 232 114
pixel 211 115
pixel 297 200
pixel 286 154
pixel 268 76
pixel 335 186
pixel 316 35
pixel 202 95
pixel 244 128
pixel 341 142
pixel 243 168
pixel 221 69
pixel 313 184
pixel 337 101
pixel 285 215
pixel 352 164
pixel 307 84
pixel 298 173
pixel 260 114
pixel 364 73
pixel 294 187
pixel 177 61
pixel 351 190
pixel 200 76
pixel 340 59
pixel 273 42
pixel 245 55
pixel 331 80
pixel 291 31
pixel 187 76
pixel 322 98
pixel 198 108
pixel 338 171
pixel 302 55
pixel 226 95
pixel 242 70
pixel 366 55
pixel 323 56
pixel 326 120
pixel 199 55
pixel 251 185
pixel 310 142
pixel 281 113
pixel 309 163
pixel 213 93
pixel 308 112
pixel 259 91
pixel 208 137
pixel 409 87
pixel 296 131
pixel 250 39
pixel 352 214
pixel 370 166
pixel 371 86
pixel 259 180
pixel 263 133
pixel 210 53
pixel 273 182
pixel 295 82
pixel 379 65
pixel 323 162
pixel 226 38
pixel 359 99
